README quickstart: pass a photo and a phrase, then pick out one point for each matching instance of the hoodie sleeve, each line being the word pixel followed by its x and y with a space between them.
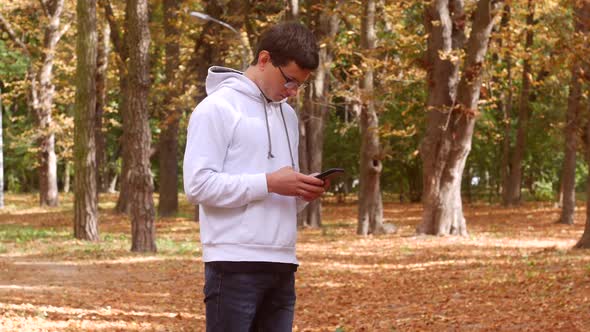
pixel 301 204
pixel 209 134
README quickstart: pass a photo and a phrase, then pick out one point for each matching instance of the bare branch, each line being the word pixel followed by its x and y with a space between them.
pixel 63 30
pixel 5 25
pixel 115 31
pixel 44 7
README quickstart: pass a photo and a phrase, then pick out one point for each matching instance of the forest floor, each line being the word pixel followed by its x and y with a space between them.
pixel 516 271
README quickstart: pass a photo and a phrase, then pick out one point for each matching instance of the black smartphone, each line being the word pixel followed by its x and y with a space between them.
pixel 328 174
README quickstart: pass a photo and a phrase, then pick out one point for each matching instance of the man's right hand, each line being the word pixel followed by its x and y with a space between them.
pixel 287 182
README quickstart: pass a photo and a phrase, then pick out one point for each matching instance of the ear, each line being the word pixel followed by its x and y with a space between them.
pixel 263 59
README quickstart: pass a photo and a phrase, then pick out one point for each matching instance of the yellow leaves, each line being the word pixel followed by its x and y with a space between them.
pixel 454 56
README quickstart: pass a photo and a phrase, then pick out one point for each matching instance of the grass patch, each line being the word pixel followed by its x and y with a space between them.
pixel 167 246
pixel 23 234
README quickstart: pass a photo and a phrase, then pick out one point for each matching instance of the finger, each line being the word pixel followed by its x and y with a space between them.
pixel 312 180
pixel 312 188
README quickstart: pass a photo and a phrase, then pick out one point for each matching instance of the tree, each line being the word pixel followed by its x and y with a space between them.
pixel 324 22
pixel 168 151
pixel 370 212
pixel 102 63
pixel 1 153
pixel 451 108
pixel 138 137
pixel 41 95
pixel 118 39
pixel 513 191
pixel 85 200
pixel 581 22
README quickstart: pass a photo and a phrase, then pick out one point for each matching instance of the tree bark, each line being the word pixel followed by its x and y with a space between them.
pixel 118 38
pixel 1 152
pixel 137 129
pixel 67 175
pixel 584 241
pixel 452 111
pixel 42 105
pixel 168 154
pixel 515 182
pixel 506 103
pixel 315 111
pixel 102 167
pixel 370 213
pixel 568 175
pixel 292 10
pixel 85 199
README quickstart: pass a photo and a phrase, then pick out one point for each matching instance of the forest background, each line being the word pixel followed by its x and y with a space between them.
pixel 443 103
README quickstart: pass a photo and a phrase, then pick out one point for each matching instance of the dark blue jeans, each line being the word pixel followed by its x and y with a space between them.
pixel 249 301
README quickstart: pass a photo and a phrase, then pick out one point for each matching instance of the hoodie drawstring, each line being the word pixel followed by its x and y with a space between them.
pixel 270 155
pixel 287 133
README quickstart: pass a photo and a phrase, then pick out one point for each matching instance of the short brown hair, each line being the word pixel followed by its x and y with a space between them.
pixel 289 41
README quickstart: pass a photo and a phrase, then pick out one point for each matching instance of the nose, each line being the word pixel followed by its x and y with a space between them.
pixel 292 92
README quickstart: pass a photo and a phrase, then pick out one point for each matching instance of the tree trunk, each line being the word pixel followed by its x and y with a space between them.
pixel 168 153
pixel 568 175
pixel 85 199
pixel 1 153
pixel 315 111
pixel 584 242
pixel 292 10
pixel 122 49
pixel 101 99
pixel 138 131
pixel 506 104
pixel 370 213
pixel 451 117
pixel 515 182
pixel 42 104
pixel 67 175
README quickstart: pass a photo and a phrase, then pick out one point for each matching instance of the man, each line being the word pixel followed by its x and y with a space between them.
pixel 241 167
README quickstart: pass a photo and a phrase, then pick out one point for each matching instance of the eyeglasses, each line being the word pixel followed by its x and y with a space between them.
pixel 291 83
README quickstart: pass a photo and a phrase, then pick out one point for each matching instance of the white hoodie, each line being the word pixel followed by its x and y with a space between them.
pixel 227 156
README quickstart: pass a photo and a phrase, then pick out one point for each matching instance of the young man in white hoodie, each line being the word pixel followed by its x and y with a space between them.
pixel 241 167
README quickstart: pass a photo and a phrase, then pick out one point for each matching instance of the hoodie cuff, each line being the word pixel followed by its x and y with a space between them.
pixel 258 186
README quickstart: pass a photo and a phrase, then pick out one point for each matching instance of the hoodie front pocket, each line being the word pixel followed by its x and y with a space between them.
pixel 271 222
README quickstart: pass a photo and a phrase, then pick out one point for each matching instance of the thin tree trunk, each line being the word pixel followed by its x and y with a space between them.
pixel 1 153
pixel 101 98
pixel 515 182
pixel 86 198
pixel 315 111
pixel 370 213
pixel 506 107
pixel 449 134
pixel 67 176
pixel 584 241
pixel 568 176
pixel 122 49
pixel 48 192
pixel 138 132
pixel 292 10
pixel 168 156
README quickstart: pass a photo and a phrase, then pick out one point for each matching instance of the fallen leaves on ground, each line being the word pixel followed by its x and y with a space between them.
pixel 516 271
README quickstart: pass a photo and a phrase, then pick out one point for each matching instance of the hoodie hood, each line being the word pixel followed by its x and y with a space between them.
pixel 219 77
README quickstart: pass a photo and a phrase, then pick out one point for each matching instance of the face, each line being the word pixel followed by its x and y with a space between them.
pixel 278 83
